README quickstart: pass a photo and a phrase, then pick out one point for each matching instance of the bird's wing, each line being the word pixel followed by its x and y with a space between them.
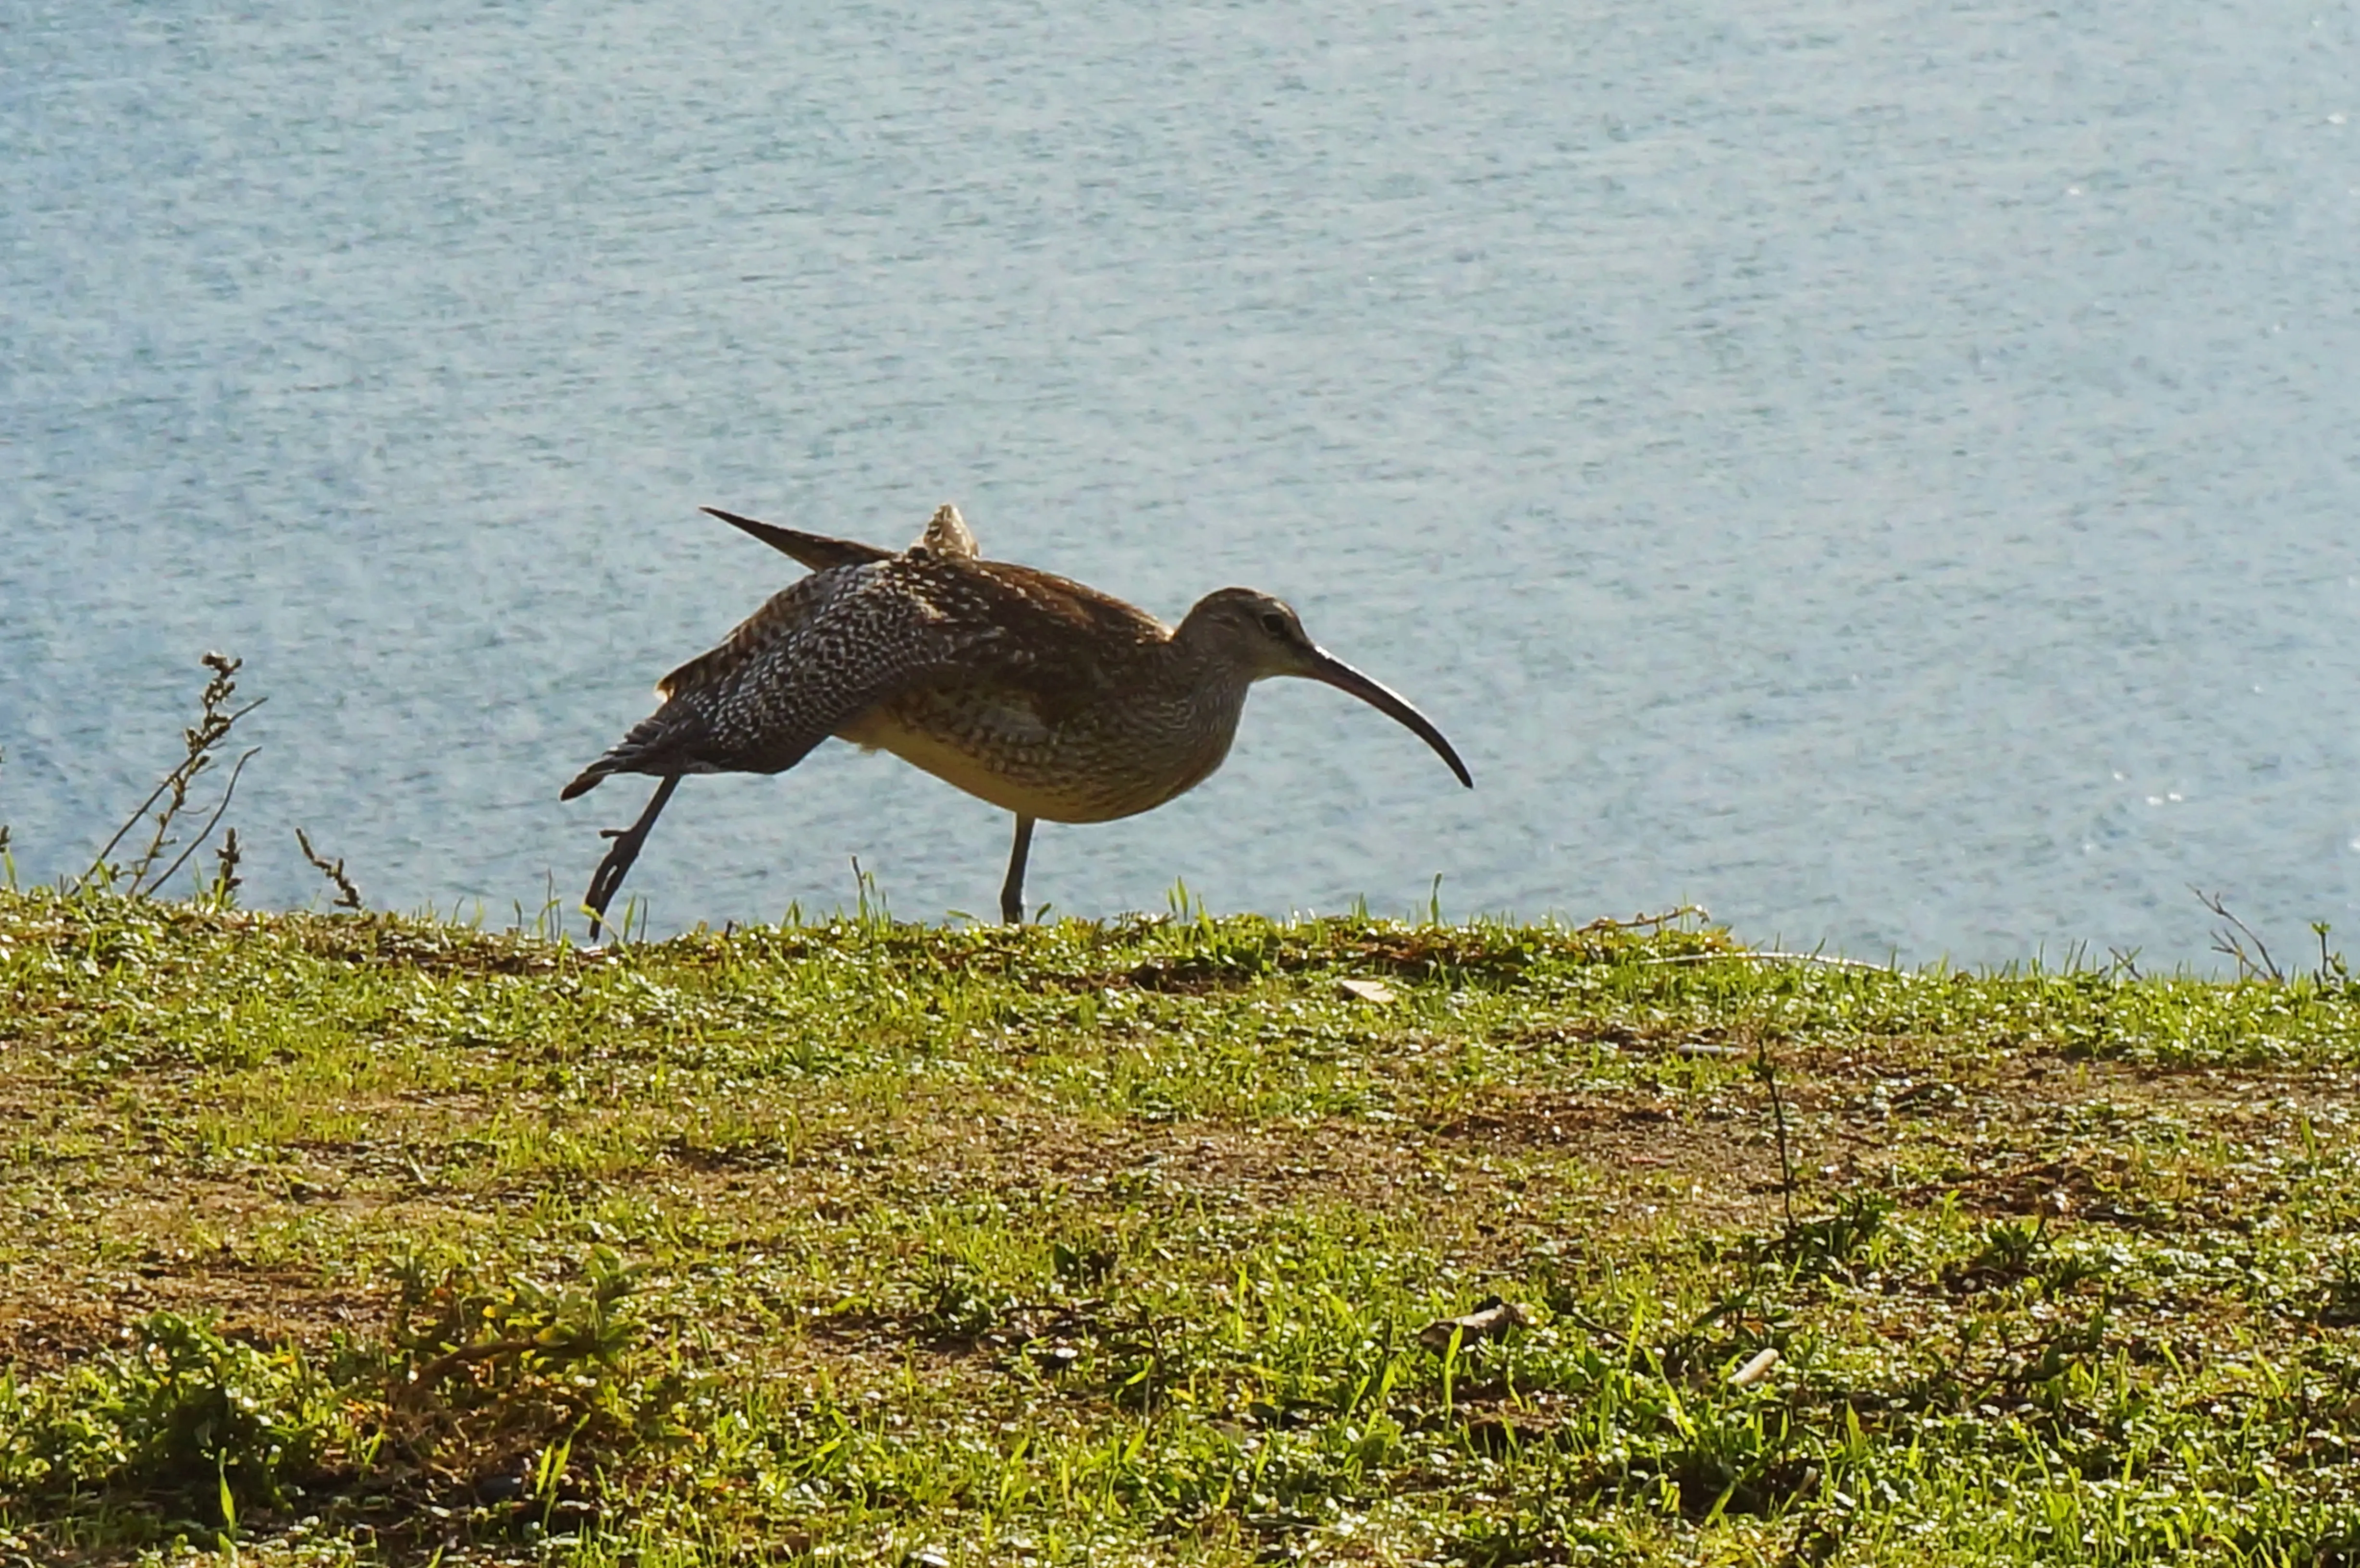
pixel 816 550
pixel 1066 644
pixel 815 656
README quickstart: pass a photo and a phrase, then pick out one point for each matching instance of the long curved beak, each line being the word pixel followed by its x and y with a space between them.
pixel 1325 666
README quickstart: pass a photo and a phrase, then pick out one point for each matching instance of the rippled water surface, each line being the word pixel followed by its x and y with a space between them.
pixel 1887 472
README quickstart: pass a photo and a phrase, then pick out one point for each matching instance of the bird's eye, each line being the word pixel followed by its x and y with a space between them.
pixel 1275 624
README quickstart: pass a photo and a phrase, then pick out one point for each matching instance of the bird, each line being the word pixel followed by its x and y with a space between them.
pixel 1050 699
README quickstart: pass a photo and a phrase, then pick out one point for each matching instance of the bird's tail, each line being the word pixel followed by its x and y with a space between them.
pixel 586 780
pixel 651 746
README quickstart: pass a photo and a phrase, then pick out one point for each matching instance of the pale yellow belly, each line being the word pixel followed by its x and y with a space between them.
pixel 1078 773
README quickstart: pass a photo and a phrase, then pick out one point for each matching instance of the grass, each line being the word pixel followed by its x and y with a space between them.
pixel 331 1238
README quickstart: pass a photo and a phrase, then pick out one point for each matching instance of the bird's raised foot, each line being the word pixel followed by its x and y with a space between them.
pixel 608 878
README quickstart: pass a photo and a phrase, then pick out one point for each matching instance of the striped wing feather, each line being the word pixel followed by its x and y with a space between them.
pixel 817 655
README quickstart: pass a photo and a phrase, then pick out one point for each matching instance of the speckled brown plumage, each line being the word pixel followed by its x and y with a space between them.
pixel 1042 696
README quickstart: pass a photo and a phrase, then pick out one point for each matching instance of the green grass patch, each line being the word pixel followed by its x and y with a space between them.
pixel 344 1238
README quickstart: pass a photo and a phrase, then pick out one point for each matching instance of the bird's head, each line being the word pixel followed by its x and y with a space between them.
pixel 1262 636
pixel 1251 632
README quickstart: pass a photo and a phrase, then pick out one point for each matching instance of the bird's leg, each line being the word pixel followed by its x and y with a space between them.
pixel 609 874
pixel 1011 892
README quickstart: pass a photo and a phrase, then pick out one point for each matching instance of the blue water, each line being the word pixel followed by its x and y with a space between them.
pixel 1889 472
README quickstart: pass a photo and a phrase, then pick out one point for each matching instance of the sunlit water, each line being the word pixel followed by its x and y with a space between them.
pixel 1888 472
